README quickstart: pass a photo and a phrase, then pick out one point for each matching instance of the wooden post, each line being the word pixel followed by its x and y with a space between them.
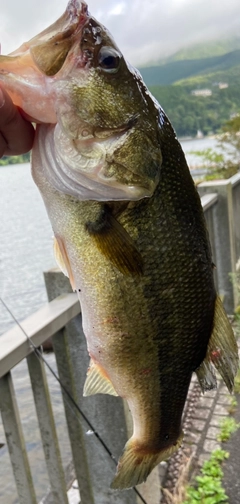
pixel 224 238
pixel 16 443
pixel 47 428
pixel 236 214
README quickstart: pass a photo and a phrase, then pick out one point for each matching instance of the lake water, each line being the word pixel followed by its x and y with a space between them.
pixel 198 144
pixel 25 245
pixel 25 252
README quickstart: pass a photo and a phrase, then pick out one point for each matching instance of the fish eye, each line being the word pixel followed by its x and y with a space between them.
pixel 109 59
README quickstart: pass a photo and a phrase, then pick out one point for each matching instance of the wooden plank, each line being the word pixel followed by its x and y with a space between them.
pixel 224 238
pixel 15 441
pixel 47 428
pixel 39 327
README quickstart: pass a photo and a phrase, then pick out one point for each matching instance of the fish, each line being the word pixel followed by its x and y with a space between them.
pixel 129 230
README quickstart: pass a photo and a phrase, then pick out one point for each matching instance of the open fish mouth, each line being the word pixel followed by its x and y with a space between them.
pixel 68 25
pixel 38 61
pixel 51 47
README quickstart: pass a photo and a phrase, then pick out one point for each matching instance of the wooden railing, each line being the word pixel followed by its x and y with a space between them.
pixel 60 320
pixel 223 219
pixel 14 347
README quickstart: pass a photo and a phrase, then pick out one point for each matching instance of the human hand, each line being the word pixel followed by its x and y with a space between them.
pixel 16 133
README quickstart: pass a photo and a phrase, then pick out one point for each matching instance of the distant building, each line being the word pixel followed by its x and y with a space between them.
pixel 201 92
pixel 223 85
pixel 220 85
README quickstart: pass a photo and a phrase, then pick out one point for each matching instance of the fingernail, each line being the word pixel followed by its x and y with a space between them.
pixel 2 99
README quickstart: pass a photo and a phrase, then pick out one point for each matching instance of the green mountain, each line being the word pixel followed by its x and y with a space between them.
pixel 172 72
pixel 189 113
pixel 206 50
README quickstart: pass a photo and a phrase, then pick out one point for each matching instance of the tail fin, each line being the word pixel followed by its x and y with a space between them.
pixel 135 464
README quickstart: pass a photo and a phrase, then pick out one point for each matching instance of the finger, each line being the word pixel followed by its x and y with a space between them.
pixel 17 133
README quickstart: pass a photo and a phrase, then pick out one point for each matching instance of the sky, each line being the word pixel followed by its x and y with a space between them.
pixel 145 30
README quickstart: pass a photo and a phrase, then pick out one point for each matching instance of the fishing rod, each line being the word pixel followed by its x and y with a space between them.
pixel 70 399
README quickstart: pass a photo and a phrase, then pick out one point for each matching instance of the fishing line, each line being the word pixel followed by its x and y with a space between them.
pixel 68 395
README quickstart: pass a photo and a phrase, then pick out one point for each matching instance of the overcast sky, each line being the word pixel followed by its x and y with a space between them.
pixel 143 29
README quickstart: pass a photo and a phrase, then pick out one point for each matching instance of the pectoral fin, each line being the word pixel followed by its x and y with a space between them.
pixel 97 382
pixel 115 243
pixel 222 351
pixel 62 259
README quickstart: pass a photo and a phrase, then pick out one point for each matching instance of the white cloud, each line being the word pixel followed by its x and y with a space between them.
pixel 144 30
pixel 118 9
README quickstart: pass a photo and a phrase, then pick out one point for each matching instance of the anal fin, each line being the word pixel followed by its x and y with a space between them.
pixel 222 352
pixel 97 382
pixel 206 376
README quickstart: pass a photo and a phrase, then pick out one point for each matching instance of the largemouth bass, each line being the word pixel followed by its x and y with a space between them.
pixel 129 230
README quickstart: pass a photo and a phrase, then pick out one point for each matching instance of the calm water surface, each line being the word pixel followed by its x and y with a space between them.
pixel 25 252
pixel 25 245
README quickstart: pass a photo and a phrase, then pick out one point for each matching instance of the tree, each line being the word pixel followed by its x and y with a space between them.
pixel 22 158
pixel 231 137
pixel 226 163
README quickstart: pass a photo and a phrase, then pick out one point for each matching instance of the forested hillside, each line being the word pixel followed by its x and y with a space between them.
pixel 174 71
pixel 174 82
pixel 189 113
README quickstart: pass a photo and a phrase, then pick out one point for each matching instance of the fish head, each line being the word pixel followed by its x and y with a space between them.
pixel 107 124
pixel 108 113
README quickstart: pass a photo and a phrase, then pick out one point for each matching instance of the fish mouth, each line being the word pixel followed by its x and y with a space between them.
pixel 28 71
pixel 75 9
pixel 51 47
pixel 69 24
